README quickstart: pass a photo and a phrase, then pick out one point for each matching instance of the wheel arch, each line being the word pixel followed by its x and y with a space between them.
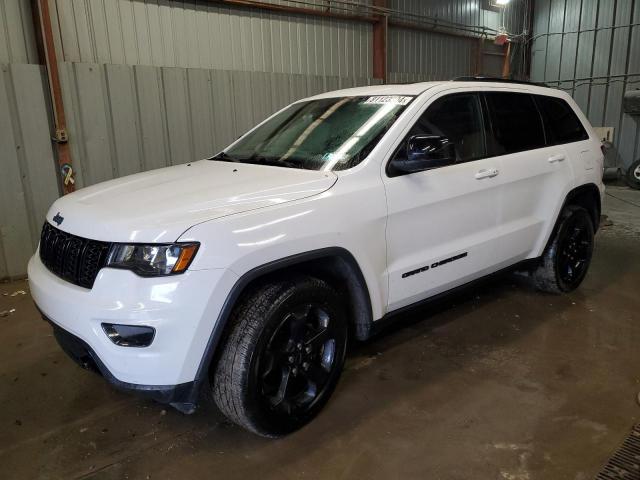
pixel 588 197
pixel 332 264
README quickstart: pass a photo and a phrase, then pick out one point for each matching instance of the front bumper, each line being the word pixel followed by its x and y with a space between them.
pixel 182 396
pixel 183 309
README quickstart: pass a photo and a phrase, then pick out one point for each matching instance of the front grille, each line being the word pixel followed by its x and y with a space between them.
pixel 75 259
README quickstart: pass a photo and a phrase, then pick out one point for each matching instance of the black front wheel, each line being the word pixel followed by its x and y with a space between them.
pixel 283 356
pixel 566 259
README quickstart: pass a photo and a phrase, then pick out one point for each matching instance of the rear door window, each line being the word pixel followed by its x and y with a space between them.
pixel 562 124
pixel 516 125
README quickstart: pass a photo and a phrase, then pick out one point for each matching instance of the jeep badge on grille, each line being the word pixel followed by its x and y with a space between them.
pixel 58 219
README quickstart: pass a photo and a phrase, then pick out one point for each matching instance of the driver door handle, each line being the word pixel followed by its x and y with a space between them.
pixel 486 173
pixel 556 158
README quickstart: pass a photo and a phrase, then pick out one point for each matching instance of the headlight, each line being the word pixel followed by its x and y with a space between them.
pixel 152 260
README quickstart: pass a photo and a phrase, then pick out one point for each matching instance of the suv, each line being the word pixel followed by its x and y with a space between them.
pixel 247 273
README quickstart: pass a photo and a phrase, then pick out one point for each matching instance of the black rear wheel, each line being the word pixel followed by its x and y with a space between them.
pixel 566 259
pixel 574 251
pixel 283 356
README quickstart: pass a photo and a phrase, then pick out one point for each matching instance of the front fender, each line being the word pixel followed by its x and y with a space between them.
pixel 246 241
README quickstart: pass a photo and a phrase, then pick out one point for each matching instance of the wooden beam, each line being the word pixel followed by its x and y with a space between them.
pixel 380 35
pixel 506 64
pixel 59 118
pixel 480 56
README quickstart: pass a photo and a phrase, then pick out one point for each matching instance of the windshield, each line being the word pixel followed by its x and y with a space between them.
pixel 326 134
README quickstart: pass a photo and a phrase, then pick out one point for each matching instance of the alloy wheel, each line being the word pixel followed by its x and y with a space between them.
pixel 298 360
pixel 574 252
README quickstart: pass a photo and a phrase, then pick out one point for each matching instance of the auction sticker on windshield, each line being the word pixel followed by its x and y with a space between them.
pixel 393 99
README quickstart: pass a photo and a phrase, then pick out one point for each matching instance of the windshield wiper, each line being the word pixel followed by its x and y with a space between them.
pixel 258 160
pixel 224 157
pixel 274 161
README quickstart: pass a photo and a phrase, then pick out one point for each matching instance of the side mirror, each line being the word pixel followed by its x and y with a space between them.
pixel 425 152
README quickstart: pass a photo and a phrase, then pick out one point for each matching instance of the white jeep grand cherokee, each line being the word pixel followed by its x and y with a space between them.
pixel 247 273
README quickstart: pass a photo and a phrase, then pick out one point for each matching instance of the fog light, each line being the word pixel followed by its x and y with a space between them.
pixel 129 335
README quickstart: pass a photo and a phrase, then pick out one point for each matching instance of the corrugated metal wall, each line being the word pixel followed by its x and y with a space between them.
pixel 588 48
pixel 419 56
pixel 28 182
pixel 201 34
pixel 468 12
pixel 17 40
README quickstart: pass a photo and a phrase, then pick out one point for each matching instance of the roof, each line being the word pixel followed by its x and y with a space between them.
pixel 418 88
pixel 393 89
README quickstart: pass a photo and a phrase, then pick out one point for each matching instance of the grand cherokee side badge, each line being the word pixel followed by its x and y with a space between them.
pixel 58 219
pixel 435 265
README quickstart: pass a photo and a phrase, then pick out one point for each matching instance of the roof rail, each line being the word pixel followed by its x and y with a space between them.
pixel 494 79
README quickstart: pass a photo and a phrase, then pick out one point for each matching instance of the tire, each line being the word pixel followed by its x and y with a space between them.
pixel 282 357
pixel 565 261
pixel 633 175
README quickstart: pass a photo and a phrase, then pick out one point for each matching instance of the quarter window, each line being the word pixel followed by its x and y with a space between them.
pixel 456 117
pixel 515 121
pixel 562 124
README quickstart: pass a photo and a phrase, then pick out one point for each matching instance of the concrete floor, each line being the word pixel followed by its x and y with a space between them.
pixel 499 382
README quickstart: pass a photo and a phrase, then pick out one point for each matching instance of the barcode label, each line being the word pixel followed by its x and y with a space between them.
pixel 395 99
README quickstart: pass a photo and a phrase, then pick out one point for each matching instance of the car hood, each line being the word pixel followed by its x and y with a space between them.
pixel 159 205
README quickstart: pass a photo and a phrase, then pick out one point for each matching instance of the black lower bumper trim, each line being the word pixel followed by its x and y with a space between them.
pixel 182 396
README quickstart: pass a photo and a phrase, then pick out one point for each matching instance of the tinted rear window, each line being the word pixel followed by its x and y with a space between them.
pixel 515 121
pixel 563 125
